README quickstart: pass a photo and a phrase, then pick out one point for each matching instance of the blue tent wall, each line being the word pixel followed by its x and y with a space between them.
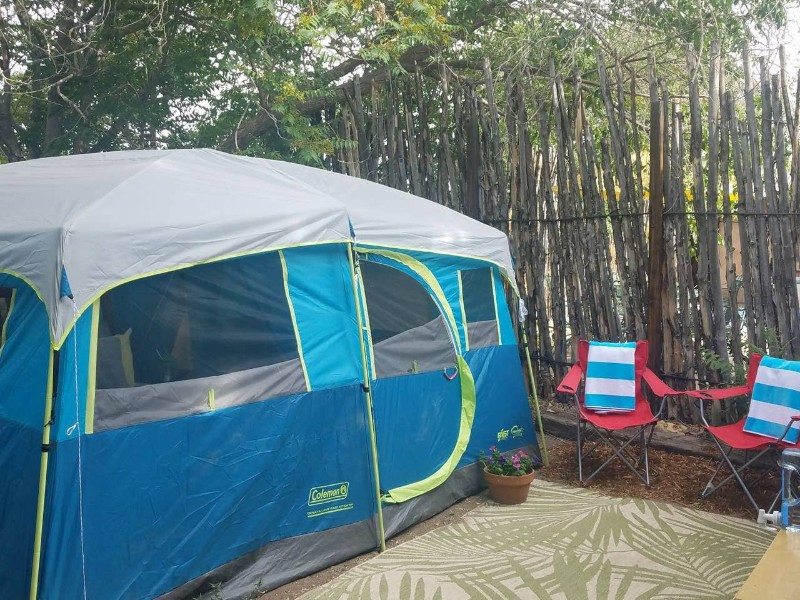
pixel 502 415
pixel 169 501
pixel 24 361
pixel 417 422
pixel 166 502
pixel 321 287
pixel 60 568
pixel 419 411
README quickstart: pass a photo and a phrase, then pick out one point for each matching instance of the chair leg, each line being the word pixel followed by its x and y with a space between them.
pixel 710 485
pixel 652 431
pixel 619 452
pixel 580 452
pixel 640 460
pixel 775 502
pixel 735 473
pixel 643 455
pixel 645 444
pixel 586 441
pixel 746 490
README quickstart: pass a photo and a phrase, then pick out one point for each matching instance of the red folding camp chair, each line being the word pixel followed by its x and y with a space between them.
pixel 602 423
pixel 735 437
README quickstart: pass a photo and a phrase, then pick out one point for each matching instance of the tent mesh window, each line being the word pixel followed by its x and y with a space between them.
pixel 477 292
pixel 209 336
pixel 409 333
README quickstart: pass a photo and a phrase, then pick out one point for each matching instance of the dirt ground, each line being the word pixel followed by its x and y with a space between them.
pixel 676 478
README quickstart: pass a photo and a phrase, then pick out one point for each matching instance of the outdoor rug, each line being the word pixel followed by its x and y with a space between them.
pixel 567 544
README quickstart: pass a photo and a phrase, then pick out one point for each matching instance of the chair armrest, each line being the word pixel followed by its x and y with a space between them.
pixel 719 394
pixel 570 383
pixel 792 421
pixel 658 387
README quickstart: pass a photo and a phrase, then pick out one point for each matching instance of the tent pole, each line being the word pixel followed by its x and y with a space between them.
pixel 535 393
pixel 37 540
pixel 367 392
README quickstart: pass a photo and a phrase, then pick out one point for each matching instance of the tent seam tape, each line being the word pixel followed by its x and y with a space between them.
pixel 496 312
pixel 26 280
pixel 355 270
pixel 362 299
pixel 464 323
pixel 296 328
pixel 91 382
pixel 36 559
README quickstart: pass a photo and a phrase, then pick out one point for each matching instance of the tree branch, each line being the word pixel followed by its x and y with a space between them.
pixel 8 137
pixel 261 123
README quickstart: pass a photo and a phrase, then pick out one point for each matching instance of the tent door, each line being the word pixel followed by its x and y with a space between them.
pixel 417 381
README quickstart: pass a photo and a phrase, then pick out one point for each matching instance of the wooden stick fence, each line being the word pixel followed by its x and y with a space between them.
pixel 560 166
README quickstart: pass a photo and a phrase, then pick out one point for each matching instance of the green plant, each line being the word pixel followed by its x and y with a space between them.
pixel 258 591
pixel 516 465
pixel 216 591
pixel 731 373
pixel 772 344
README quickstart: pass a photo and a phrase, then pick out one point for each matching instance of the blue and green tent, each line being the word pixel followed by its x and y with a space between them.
pixel 224 371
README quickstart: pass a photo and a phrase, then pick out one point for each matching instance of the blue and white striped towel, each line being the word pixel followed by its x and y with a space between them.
pixel 775 399
pixel 611 377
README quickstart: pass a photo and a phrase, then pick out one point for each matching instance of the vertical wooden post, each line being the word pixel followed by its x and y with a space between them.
pixel 473 155
pixel 712 198
pixel 656 233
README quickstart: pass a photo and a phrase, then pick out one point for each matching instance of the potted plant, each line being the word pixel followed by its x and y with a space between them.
pixel 509 477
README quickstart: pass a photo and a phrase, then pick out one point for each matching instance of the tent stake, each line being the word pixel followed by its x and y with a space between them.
pixel 367 393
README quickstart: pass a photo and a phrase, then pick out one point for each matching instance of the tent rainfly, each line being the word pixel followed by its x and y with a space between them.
pixel 219 371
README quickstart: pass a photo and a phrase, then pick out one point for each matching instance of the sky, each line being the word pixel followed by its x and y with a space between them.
pixel 789 36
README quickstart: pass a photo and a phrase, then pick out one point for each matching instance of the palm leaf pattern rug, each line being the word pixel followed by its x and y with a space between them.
pixel 566 544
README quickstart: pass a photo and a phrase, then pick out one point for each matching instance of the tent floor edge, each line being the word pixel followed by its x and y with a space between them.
pixel 278 563
pixel 283 561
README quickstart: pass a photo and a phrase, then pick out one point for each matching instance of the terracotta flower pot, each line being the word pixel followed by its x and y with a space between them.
pixel 509 489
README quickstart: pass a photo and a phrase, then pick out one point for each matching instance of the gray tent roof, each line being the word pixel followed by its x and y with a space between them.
pixel 109 218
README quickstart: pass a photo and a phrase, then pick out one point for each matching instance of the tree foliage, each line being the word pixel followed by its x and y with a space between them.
pixel 257 75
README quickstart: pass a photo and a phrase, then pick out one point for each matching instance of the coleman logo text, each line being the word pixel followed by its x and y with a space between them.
pixel 328 493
